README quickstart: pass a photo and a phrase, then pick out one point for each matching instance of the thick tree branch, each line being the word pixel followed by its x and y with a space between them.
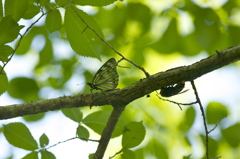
pixel 107 132
pixel 127 94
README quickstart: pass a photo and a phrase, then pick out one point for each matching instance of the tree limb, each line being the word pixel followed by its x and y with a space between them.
pixel 127 94
pixel 107 132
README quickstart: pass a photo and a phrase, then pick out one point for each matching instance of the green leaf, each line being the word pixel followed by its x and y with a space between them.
pixel 4 82
pixel 61 2
pixel 46 54
pixel 216 111
pixel 19 135
pixel 27 40
pixel 68 66
pixel 47 155
pixel 5 51
pixel 188 120
pixel 16 8
pixel 56 83
pixel 139 153
pixel 157 149
pixel 9 30
pixel 31 11
pixel 82 132
pixel 33 117
pixel 128 154
pixel 187 157
pixel 133 135
pixel 97 122
pixel 90 156
pixel 1 9
pixel 23 88
pixel 44 141
pixel 93 2
pixel 232 135
pixel 43 2
pixel 213 151
pixel 73 113
pixel 32 155
pixel 82 39
pixel 53 20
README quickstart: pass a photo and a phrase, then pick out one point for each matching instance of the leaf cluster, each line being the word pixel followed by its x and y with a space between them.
pixel 141 32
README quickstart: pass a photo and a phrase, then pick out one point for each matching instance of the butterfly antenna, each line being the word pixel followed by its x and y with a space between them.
pixel 81 92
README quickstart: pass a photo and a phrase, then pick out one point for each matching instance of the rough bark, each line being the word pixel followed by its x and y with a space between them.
pixel 127 94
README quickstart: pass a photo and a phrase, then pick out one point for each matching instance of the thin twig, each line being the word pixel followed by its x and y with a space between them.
pixel 67 141
pixel 110 46
pixel 177 103
pixel 27 30
pixel 203 115
pixel 115 154
pixel 214 126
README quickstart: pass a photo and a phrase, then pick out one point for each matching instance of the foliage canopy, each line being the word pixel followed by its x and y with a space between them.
pixel 154 34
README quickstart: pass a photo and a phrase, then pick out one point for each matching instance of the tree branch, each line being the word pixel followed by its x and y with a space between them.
pixel 127 94
pixel 107 132
pixel 203 116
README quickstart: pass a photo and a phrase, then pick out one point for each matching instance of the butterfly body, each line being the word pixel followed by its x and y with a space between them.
pixel 106 77
pixel 173 89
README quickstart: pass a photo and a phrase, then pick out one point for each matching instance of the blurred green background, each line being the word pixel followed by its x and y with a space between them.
pixel 157 35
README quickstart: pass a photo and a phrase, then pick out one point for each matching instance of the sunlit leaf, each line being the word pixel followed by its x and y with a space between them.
pixel 83 40
pixel 19 135
pixel 44 141
pixel 31 155
pixel 91 156
pixel 53 20
pixel 73 113
pixel 31 11
pixel 97 122
pixel 23 88
pixel 187 157
pixel 9 30
pixel 43 2
pixel 5 51
pixel 133 135
pixel 62 2
pixel 27 40
pixel 128 154
pixel 215 112
pixel 232 135
pixel 213 148
pixel 157 149
pixel 16 8
pixel 47 155
pixel 82 132
pixel 46 54
pixel 94 2
pixel 4 82
pixel 188 119
pixel 1 9
pixel 33 117
pixel 139 153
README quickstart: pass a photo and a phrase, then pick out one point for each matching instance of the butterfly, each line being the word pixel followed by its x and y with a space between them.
pixel 106 77
pixel 173 89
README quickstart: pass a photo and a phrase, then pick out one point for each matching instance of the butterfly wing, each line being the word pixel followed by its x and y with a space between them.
pixel 106 77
